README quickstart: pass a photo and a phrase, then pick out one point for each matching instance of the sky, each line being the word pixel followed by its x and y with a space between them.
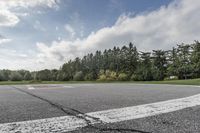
pixel 42 34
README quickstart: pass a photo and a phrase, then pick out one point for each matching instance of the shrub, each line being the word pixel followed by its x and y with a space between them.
pixel 107 76
pixel 171 78
pixel 136 77
pixel 78 76
pixel 102 77
pixel 123 77
pixel 112 76
pixel 107 73
pixel 133 77
pixel 89 77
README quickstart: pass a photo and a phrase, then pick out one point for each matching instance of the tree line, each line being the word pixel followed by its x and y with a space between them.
pixel 123 64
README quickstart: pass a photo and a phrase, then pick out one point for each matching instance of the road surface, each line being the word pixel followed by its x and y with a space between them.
pixel 111 107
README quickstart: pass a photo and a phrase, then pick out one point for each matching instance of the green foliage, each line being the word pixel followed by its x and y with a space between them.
pixel 184 63
pixel 27 76
pixel 123 77
pixel 159 64
pixel 5 75
pixel 195 59
pixel 89 77
pixel 144 69
pixel 158 74
pixel 15 76
pixel 2 77
pixel 79 76
pixel 102 77
pixel 107 75
pixel 111 75
pixel 134 77
pixel 124 63
pixel 171 78
pixel 44 75
pixel 143 74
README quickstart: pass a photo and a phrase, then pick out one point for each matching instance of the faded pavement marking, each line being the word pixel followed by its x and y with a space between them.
pixel 30 88
pixel 68 86
pixel 70 123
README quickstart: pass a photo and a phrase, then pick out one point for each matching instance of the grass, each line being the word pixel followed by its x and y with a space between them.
pixel 176 82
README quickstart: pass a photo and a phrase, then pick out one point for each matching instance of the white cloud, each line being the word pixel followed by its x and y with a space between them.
pixel 19 60
pixel 160 29
pixel 7 18
pixel 28 3
pixel 10 18
pixel 4 39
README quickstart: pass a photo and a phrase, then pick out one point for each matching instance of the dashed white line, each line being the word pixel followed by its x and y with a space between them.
pixel 69 123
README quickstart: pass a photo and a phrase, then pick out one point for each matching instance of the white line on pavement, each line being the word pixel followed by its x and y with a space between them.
pixel 31 88
pixel 68 86
pixel 70 123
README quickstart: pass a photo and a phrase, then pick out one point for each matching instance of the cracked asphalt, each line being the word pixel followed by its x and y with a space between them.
pixel 18 103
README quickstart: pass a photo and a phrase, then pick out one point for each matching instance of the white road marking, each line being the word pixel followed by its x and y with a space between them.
pixel 165 85
pixel 182 85
pixel 31 88
pixel 46 87
pixel 70 123
pixel 49 125
pixel 146 110
pixel 68 86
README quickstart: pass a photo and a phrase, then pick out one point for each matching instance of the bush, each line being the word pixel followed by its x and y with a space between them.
pixel 102 77
pixel 112 76
pixel 107 76
pixel 171 78
pixel 89 77
pixel 78 76
pixel 133 77
pixel 136 77
pixel 123 77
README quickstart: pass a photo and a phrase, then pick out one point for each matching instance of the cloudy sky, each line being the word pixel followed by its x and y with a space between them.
pixel 42 34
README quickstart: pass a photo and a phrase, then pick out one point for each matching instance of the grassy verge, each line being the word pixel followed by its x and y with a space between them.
pixel 176 82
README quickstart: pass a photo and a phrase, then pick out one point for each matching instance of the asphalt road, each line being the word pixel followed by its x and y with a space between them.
pixel 22 102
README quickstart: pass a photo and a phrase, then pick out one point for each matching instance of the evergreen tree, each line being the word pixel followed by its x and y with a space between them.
pixel 159 64
pixel 195 59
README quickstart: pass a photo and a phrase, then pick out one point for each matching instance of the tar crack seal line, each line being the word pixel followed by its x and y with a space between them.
pixel 82 119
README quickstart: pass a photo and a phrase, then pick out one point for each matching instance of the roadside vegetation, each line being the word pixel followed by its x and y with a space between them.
pixel 173 82
pixel 121 64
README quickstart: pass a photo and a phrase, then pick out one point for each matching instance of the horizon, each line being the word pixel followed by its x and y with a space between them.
pixel 44 34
